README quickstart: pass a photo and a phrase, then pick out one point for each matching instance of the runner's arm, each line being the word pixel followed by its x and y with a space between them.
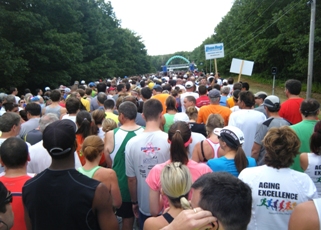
pixel 103 208
pixel 109 147
pixel 255 150
pixel 155 202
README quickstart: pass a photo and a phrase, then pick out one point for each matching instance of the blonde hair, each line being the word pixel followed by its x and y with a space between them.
pixel 214 121
pixel 192 112
pixel 92 147
pixel 108 124
pixel 176 183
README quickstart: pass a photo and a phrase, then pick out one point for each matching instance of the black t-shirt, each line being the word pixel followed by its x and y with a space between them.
pixel 60 199
pixel 198 128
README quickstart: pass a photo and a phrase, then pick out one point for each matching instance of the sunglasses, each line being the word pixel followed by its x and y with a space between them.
pixel 8 198
pixel 22 102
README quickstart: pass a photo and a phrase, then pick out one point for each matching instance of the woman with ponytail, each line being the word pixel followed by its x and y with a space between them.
pixel 176 183
pixel 234 159
pixel 310 162
pixel 86 127
pixel 93 149
pixel 179 137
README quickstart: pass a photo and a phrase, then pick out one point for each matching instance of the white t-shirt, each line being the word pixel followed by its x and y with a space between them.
pixel 314 170
pixel 317 204
pixel 275 193
pixel 67 116
pixel 40 159
pixel 101 133
pixel 183 95
pixel 196 137
pixel 143 152
pixel 235 108
pixel 17 99
pixel 247 121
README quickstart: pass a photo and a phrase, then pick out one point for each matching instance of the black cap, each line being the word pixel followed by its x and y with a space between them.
pixel 59 137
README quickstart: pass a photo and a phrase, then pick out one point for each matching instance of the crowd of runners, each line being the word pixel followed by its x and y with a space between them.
pixel 175 151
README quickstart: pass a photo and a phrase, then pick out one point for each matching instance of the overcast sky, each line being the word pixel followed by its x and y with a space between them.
pixel 169 26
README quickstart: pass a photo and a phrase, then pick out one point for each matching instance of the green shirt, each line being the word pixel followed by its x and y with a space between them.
pixel 90 173
pixel 303 130
pixel 169 120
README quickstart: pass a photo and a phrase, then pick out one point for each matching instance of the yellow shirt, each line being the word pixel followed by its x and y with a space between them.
pixel 85 103
pixel 112 116
pixel 230 102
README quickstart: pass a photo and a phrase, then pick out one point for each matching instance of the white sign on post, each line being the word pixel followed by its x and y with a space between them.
pixel 246 69
pixel 214 51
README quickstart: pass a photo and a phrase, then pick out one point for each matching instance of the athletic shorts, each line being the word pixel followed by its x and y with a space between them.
pixel 125 210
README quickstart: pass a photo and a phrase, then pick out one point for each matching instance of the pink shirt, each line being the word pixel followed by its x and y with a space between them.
pixel 153 178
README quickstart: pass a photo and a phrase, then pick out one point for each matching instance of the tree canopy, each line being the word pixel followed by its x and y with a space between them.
pixel 52 42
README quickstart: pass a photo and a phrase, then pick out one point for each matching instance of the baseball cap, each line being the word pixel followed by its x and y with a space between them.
pixel 189 85
pixel 67 90
pixel 158 88
pixel 261 94
pixel 111 88
pixel 76 83
pixel 151 85
pixel 91 84
pixel 34 99
pixel 82 82
pixel 214 93
pixel 47 88
pixel 181 117
pixel 59 137
pixel 272 102
pixel 232 135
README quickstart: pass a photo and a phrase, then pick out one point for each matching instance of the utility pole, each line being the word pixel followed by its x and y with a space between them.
pixel 311 48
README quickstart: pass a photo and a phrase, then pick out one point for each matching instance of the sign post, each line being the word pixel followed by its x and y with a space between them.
pixel 215 64
pixel 214 51
pixel 274 72
pixel 240 67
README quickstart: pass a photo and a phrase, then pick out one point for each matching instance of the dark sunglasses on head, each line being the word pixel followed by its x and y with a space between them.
pixel 8 198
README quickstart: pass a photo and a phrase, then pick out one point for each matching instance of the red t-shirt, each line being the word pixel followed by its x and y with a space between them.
pixel 15 184
pixel 202 100
pixel 290 110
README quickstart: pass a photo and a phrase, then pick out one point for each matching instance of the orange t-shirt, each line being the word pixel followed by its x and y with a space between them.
pixel 162 98
pixel 206 110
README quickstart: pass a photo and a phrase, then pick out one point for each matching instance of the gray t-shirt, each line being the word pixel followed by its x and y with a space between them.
pixel 140 120
pixel 261 131
pixel 94 104
pixel 142 153
pixel 261 109
pixel 29 125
